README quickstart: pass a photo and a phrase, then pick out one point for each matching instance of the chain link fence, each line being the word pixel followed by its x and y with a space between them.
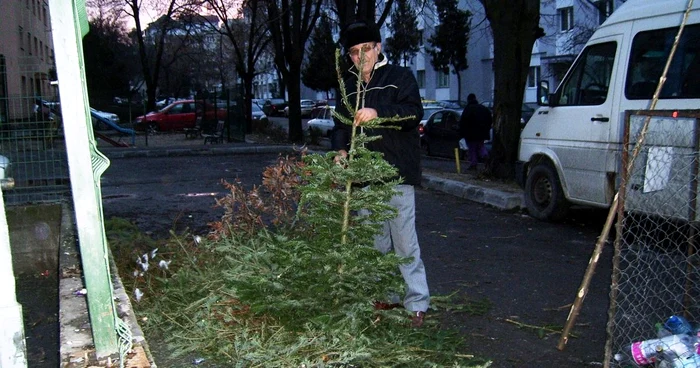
pixel 34 160
pixel 655 267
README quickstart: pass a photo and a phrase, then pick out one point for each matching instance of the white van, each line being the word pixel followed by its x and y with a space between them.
pixel 570 150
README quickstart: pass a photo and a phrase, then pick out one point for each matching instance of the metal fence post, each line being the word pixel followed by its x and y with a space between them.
pixel 69 23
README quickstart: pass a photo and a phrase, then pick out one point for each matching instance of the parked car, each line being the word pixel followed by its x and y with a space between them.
pixel 274 107
pixel 46 110
pixel 570 152
pixel 527 110
pixel 6 180
pixel 322 120
pixel 320 106
pixel 427 111
pixel 180 115
pixel 306 107
pixel 441 133
pixel 164 102
pixel 453 104
pixel 98 125
pixel 258 114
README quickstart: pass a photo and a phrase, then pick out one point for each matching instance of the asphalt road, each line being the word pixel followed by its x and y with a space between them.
pixel 528 271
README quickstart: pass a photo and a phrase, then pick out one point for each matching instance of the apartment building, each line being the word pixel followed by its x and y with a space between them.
pixel 567 25
pixel 26 57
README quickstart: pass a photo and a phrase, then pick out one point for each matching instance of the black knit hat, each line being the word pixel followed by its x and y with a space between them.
pixel 359 32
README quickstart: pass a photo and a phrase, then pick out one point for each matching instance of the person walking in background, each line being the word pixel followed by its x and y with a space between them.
pixel 390 91
pixel 475 128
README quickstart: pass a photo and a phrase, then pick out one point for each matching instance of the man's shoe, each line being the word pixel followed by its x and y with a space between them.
pixel 386 306
pixel 417 319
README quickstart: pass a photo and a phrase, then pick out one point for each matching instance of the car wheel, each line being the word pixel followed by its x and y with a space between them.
pixel 152 128
pixel 544 196
pixel 425 148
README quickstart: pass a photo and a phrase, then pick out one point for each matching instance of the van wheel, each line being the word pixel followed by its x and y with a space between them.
pixel 544 196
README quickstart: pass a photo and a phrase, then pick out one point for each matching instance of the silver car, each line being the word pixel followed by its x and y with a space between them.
pixel 323 121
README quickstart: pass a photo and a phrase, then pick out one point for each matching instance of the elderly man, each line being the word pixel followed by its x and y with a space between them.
pixel 390 91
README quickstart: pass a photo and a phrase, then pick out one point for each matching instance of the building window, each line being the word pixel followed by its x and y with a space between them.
pixel 45 17
pixel 41 49
pixel 533 76
pixel 29 42
pixel 21 38
pixel 566 18
pixel 420 77
pixel 443 80
pixel 605 8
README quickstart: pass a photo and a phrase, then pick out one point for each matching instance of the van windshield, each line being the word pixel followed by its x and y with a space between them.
pixel 589 79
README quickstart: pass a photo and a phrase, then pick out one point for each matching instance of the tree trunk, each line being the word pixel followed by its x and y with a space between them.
pixel 459 87
pixel 294 90
pixel 248 90
pixel 513 23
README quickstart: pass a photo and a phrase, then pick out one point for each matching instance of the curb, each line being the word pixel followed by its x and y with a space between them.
pixel 496 198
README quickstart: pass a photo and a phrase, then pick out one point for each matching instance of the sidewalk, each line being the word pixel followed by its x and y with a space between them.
pixel 467 185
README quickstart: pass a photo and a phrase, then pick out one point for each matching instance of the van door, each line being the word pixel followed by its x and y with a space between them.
pixel 579 122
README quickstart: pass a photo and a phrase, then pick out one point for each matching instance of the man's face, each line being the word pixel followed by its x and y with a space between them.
pixel 370 50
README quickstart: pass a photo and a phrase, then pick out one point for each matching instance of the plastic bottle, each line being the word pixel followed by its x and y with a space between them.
pixel 647 352
pixel 678 325
pixel 693 360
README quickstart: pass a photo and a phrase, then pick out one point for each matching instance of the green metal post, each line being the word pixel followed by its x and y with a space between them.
pixel 69 25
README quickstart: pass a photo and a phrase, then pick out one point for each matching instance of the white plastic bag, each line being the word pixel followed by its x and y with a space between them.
pixel 463 144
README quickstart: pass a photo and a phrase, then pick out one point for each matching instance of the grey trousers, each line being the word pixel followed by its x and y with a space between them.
pixel 399 234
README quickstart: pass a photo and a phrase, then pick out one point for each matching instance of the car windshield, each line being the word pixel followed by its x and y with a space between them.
pixel 255 107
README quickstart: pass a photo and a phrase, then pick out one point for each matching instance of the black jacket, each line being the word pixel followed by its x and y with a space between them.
pixel 391 91
pixel 475 123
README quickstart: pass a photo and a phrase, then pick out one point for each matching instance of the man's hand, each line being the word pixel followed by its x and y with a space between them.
pixel 363 115
pixel 342 154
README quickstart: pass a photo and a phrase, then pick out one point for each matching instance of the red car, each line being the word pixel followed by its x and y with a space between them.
pixel 179 115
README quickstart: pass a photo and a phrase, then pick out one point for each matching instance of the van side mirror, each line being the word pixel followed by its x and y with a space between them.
pixel 543 96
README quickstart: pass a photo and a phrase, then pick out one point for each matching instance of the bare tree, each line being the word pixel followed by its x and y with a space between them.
pixel 245 29
pixel 515 26
pixel 291 24
pixel 151 64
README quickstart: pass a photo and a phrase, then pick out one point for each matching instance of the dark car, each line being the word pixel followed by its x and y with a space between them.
pixel 441 133
pixel 274 107
pixel 527 110
pixel 453 104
